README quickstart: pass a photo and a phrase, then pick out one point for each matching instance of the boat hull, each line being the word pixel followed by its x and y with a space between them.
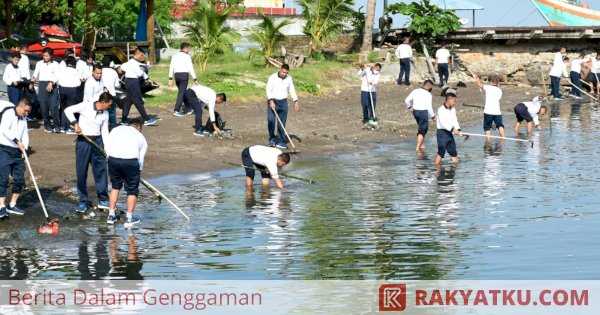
pixel 559 13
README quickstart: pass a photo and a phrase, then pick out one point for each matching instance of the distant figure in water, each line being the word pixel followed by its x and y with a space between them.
pixel 265 159
pixel 447 127
pixel 491 111
pixel 530 111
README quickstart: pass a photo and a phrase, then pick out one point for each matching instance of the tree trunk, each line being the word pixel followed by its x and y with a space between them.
pixel 89 32
pixel 150 31
pixel 367 44
pixel 429 63
pixel 8 8
pixel 70 14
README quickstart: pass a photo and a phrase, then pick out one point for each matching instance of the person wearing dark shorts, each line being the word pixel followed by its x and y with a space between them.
pixel 529 111
pixel 419 101
pixel 267 160
pixel 491 111
pixel 447 125
pixel 126 150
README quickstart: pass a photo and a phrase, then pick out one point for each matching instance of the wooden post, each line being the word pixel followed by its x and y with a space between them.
pixel 150 32
pixel 8 8
pixel 89 32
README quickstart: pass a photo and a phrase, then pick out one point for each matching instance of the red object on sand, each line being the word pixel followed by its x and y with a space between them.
pixel 54 37
pixel 50 228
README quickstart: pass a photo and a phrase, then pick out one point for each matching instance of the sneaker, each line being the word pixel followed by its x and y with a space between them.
pixel 48 130
pixel 70 131
pixel 82 207
pixel 57 130
pixel 125 122
pixel 177 114
pixel 281 146
pixel 30 118
pixel 111 219
pixel 189 112
pixel 15 210
pixel 199 133
pixel 103 205
pixel 559 99
pixel 3 212
pixel 576 97
pixel 133 221
pixel 271 142
pixel 150 121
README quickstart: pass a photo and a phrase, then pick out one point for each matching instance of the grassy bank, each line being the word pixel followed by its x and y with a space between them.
pixel 244 80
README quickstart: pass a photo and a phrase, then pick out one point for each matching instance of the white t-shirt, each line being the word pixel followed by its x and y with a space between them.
pixel 576 64
pixel 267 157
pixel 442 55
pixel 493 94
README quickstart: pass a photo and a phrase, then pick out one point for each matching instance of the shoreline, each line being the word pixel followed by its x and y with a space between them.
pixel 326 125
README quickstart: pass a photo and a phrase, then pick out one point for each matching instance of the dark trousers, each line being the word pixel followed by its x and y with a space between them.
pixel 11 164
pixel 134 95
pixel 422 119
pixel 14 94
pixel 68 97
pixel 191 101
pixel 49 105
pixel 576 79
pixel 181 80
pixel 404 71
pixel 365 101
pixel 86 154
pixel 112 113
pixel 443 72
pixel 555 85
pixel 125 172
pixel 251 167
pixel 281 106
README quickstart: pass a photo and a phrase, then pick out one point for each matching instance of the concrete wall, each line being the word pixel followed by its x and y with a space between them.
pixel 520 62
pixel 343 45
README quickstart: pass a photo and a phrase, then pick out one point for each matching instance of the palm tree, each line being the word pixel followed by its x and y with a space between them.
pixel 207 31
pixel 367 44
pixel 268 35
pixel 324 20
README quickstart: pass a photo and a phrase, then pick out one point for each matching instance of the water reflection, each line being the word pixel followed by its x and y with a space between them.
pixel 386 213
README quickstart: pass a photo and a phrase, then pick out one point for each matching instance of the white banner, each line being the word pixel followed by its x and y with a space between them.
pixel 299 297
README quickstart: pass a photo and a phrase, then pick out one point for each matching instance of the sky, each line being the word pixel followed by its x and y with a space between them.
pixel 496 13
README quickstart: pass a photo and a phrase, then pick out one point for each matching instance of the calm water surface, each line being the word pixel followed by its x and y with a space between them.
pixel 507 211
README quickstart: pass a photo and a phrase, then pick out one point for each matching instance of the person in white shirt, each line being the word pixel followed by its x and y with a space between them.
pixel 85 66
pixel 530 111
pixel 447 126
pixel 110 81
pixel 197 97
pixel 126 150
pixel 442 60
pixel 24 62
pixel 594 75
pixel 491 111
pixel 558 57
pixel 14 140
pixel 420 102
pixel 68 53
pixel 68 83
pixel 46 73
pixel 278 86
pixel 93 123
pixel 133 73
pixel 93 86
pixel 12 78
pixel 181 68
pixel 404 54
pixel 267 160
pixel 575 75
pixel 368 90
pixel 559 69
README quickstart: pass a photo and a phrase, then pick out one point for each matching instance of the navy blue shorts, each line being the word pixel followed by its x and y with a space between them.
pixel 250 165
pixel 522 113
pixel 446 142
pixel 422 118
pixel 489 119
pixel 124 171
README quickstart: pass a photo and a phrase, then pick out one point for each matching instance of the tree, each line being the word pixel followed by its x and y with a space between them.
pixel 325 20
pixel 207 31
pixel 427 21
pixel 268 34
pixel 367 44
